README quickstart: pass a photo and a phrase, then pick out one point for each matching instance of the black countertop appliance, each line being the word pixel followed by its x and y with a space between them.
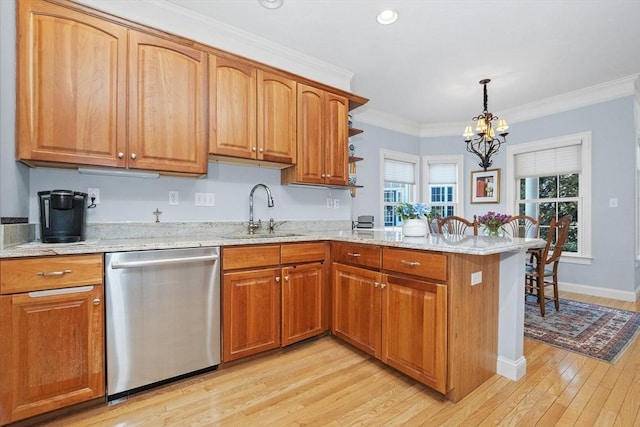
pixel 63 216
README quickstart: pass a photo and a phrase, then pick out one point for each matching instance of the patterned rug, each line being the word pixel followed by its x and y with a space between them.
pixel 592 330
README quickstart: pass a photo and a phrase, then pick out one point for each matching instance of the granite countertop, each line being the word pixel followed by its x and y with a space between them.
pixel 474 245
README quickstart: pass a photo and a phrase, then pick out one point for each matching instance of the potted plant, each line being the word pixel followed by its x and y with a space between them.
pixel 413 214
pixel 493 223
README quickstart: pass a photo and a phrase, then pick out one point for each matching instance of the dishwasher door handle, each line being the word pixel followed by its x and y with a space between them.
pixel 152 262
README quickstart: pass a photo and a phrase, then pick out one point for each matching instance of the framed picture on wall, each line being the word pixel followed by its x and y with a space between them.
pixel 485 186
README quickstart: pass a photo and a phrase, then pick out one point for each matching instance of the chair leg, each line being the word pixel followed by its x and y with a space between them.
pixel 556 300
pixel 540 281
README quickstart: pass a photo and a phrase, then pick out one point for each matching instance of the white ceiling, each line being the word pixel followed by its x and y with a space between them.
pixel 425 68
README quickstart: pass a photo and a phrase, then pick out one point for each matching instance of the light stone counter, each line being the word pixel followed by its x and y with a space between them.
pixel 136 237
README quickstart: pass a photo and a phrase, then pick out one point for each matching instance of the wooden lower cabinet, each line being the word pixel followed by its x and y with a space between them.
pixel 414 329
pixel 51 340
pixel 303 302
pixel 356 307
pixel 399 319
pixel 250 312
pixel 273 295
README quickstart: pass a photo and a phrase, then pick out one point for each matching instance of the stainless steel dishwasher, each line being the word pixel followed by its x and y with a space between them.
pixel 162 316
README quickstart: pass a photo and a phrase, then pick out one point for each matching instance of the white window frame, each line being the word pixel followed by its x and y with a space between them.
pixel 584 231
pixel 459 161
pixel 401 157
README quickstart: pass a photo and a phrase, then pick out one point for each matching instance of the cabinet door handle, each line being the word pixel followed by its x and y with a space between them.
pixel 410 263
pixel 62 291
pixel 253 149
pixel 121 155
pixel 323 175
pixel 278 279
pixel 382 286
pixel 96 301
pixel 53 273
pixel 261 150
pixel 133 156
pixel 376 284
pixel 353 254
pixel 286 278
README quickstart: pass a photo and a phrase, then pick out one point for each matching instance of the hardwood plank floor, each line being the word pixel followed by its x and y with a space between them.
pixel 325 382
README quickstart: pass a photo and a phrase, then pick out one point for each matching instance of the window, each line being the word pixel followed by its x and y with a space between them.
pixel 552 178
pixel 399 171
pixel 442 190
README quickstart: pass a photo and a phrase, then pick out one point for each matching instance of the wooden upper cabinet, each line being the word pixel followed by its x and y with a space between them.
pixel 71 85
pixel 167 106
pixel 337 137
pixel 322 137
pixel 276 118
pixel 83 81
pixel 252 112
pixel 232 100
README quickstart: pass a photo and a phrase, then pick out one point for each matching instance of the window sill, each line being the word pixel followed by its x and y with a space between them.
pixel 576 259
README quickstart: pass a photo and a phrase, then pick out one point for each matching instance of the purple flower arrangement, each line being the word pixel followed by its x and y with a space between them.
pixel 493 221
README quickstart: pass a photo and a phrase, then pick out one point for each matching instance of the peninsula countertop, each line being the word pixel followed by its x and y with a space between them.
pixel 473 245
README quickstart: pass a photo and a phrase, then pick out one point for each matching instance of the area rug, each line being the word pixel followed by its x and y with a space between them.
pixel 593 330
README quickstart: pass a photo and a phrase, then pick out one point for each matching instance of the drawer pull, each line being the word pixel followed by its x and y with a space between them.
pixel 410 263
pixel 53 273
pixel 96 301
pixel 353 254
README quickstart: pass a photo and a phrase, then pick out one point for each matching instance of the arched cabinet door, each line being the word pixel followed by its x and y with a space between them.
pixel 72 82
pixel 167 106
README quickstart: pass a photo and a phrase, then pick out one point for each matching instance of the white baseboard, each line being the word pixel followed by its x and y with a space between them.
pixel 512 369
pixel 600 292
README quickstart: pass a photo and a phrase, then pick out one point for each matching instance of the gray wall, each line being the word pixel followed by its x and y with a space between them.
pixel 134 199
pixel 14 177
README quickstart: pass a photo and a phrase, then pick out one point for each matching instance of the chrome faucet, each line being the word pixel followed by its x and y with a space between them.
pixel 252 225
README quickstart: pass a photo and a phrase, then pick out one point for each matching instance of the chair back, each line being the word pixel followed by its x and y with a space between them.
pixel 457 225
pixel 558 232
pixel 523 226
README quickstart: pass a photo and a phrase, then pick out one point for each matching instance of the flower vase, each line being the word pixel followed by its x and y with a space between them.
pixel 414 227
pixel 494 232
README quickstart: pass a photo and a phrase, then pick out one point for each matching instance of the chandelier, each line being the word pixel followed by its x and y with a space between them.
pixel 485 143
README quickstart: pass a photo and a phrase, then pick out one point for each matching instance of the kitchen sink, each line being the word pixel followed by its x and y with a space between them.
pixel 262 236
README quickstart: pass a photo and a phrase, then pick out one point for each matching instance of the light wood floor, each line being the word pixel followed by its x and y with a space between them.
pixel 325 382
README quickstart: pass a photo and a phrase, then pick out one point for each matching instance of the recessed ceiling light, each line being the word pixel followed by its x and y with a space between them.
pixel 387 17
pixel 271 4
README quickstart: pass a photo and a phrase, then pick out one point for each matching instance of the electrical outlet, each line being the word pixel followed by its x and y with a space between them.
pixel 476 278
pixel 94 193
pixel 174 198
pixel 336 203
pixel 205 199
pixel 329 202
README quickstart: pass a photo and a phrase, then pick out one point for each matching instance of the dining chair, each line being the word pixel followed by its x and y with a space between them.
pixel 523 226
pixel 543 271
pixel 457 225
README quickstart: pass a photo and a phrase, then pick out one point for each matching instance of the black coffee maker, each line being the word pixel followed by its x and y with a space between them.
pixel 63 216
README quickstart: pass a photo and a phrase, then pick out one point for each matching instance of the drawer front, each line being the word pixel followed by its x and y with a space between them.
pixel 54 272
pixel 292 253
pixel 234 258
pixel 364 255
pixel 417 263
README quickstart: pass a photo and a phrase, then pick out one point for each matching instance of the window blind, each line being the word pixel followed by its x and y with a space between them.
pixel 554 161
pixel 443 173
pixel 399 171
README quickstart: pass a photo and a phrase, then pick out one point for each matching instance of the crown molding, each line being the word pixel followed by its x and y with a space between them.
pixel 568 101
pixel 162 14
